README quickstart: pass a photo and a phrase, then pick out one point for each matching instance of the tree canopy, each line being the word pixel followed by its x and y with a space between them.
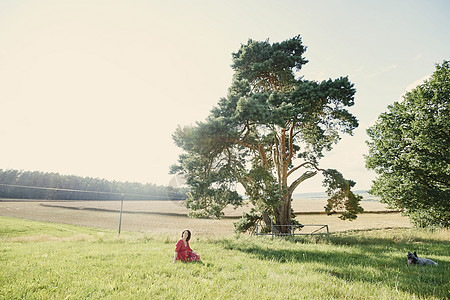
pixel 268 135
pixel 409 149
pixel 19 184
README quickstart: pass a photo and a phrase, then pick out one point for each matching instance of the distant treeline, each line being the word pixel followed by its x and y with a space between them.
pixel 15 184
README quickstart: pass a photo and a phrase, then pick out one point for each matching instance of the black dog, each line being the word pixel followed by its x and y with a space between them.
pixel 413 259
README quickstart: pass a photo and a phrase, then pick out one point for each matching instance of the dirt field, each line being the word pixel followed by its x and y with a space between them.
pixel 170 217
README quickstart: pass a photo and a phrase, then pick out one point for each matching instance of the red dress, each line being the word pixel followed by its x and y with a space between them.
pixel 185 252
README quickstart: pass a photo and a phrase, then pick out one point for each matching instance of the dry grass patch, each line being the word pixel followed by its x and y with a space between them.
pixel 169 218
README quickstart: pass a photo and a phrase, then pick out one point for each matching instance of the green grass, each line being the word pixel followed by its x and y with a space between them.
pixel 45 260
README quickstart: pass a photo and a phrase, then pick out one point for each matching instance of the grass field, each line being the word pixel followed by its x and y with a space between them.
pixel 41 260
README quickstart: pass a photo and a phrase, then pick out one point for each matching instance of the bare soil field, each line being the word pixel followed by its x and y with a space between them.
pixel 170 217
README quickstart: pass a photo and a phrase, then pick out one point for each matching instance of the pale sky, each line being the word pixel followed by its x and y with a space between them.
pixel 96 88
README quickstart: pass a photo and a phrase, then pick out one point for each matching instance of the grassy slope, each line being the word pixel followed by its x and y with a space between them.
pixel 45 260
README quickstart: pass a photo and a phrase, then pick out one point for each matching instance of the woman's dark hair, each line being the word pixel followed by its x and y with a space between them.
pixel 189 234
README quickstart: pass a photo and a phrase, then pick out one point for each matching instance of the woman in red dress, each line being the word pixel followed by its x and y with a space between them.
pixel 182 250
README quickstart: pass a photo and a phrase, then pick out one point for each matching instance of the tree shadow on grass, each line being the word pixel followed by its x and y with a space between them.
pixel 399 243
pixel 371 260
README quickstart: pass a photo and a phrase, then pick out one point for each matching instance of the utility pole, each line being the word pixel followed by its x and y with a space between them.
pixel 121 208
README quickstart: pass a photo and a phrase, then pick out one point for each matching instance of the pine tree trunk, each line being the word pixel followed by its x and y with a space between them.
pixel 285 214
pixel 282 215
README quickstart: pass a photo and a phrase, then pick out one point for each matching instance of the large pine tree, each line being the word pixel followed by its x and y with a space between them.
pixel 268 135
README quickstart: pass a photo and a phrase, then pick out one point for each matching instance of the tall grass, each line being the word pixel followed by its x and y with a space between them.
pixel 44 260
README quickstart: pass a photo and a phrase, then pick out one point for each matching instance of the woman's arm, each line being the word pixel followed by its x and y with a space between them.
pixel 175 257
pixel 188 248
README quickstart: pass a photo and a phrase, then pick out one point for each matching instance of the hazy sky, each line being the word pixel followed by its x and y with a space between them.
pixel 96 88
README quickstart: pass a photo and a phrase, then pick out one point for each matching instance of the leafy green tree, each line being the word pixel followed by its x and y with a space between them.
pixel 409 149
pixel 267 135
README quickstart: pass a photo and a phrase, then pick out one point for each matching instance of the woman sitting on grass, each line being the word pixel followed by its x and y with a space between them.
pixel 182 250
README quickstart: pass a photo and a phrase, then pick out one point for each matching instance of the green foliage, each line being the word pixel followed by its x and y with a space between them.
pixel 209 178
pixel 37 261
pixel 247 222
pixel 338 188
pixel 268 66
pixel 210 201
pixel 272 125
pixel 409 150
pixel 429 218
